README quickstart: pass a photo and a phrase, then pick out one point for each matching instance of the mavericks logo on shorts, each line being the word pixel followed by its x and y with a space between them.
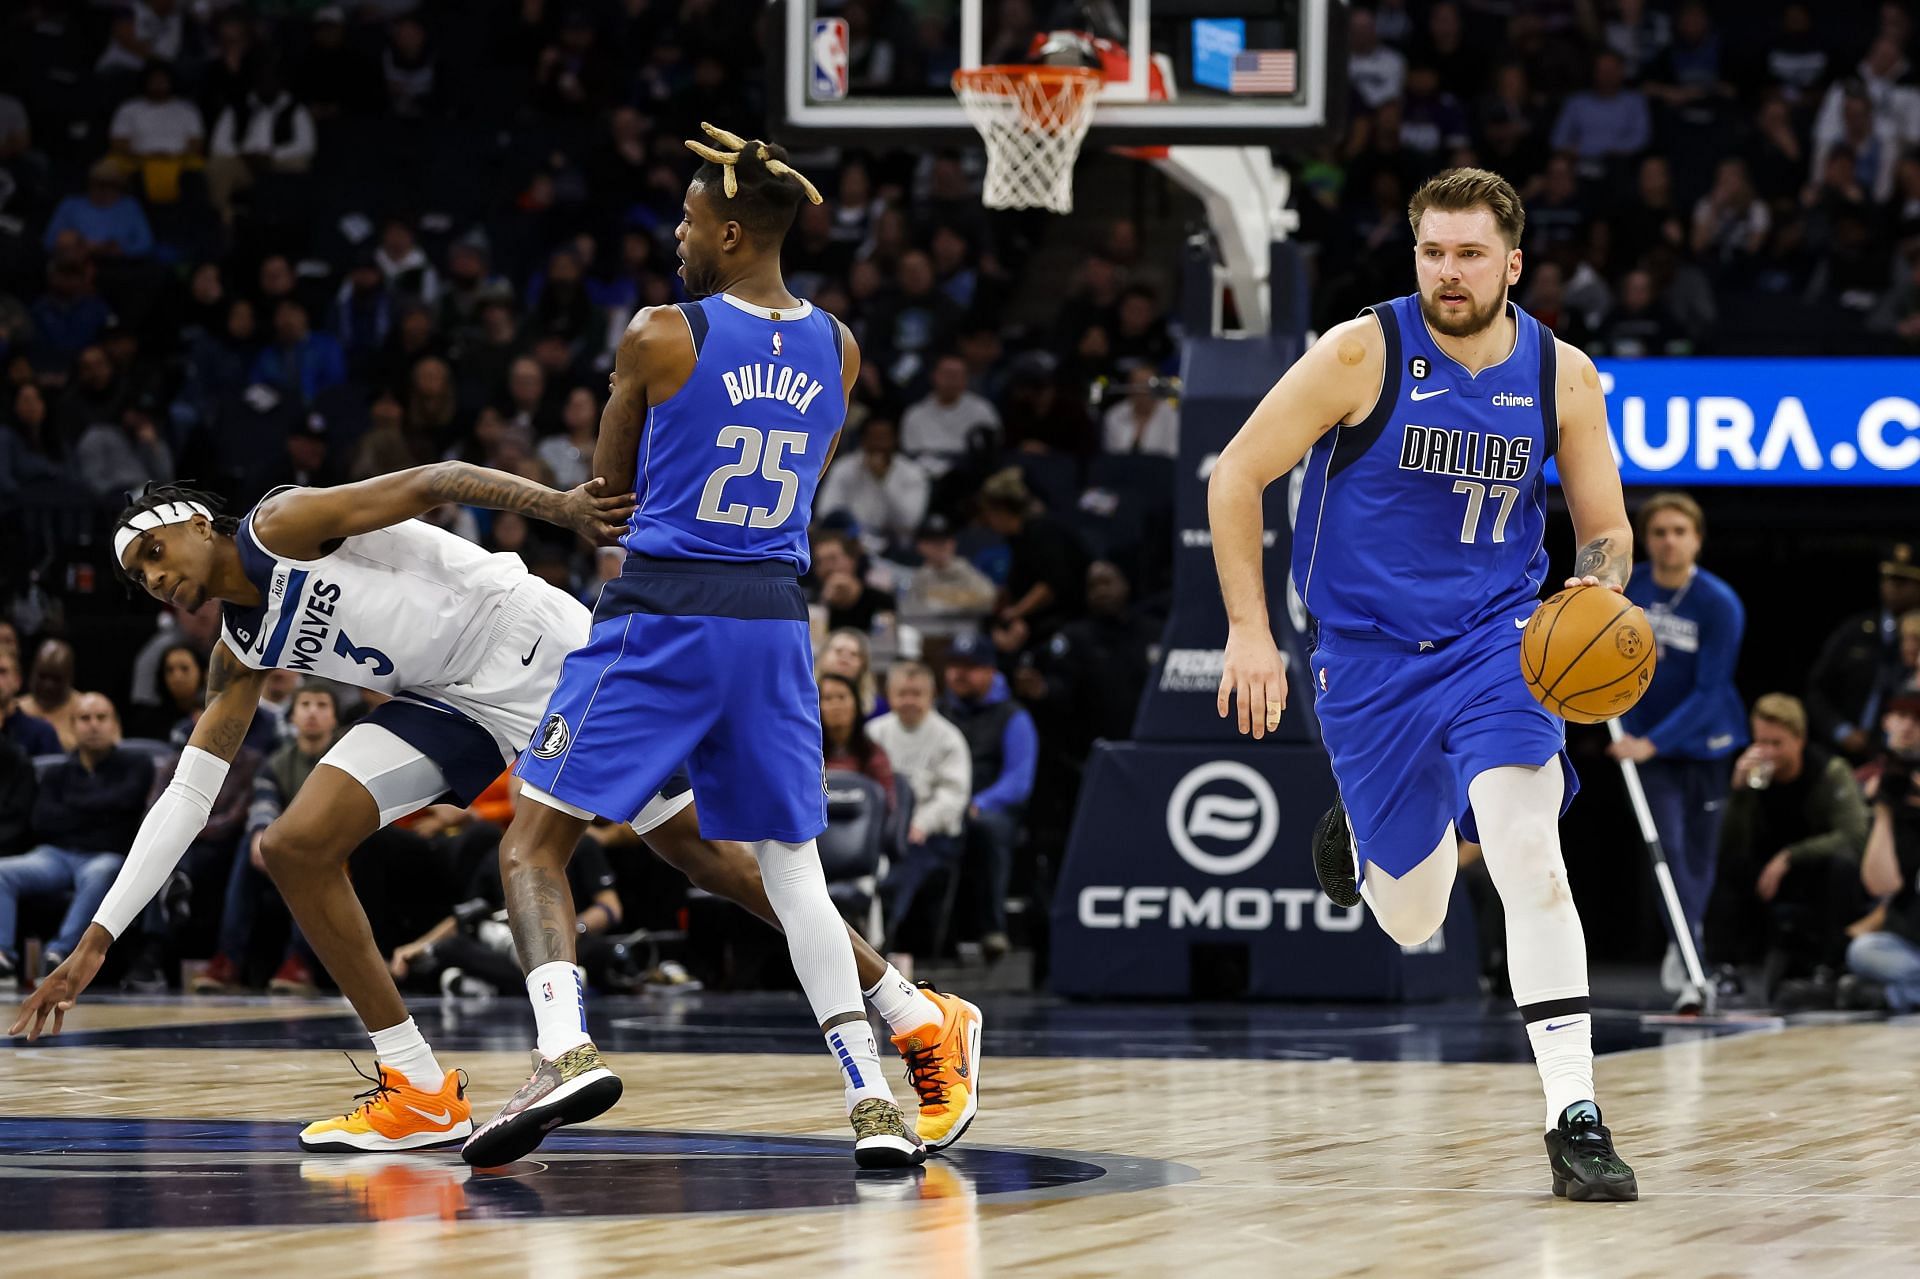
pixel 553 738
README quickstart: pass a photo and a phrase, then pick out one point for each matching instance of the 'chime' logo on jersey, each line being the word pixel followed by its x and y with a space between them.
pixel 1479 455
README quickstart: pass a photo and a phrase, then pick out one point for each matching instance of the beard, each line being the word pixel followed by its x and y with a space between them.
pixel 1474 321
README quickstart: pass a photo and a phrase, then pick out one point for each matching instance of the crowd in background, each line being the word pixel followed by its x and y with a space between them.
pixel 296 242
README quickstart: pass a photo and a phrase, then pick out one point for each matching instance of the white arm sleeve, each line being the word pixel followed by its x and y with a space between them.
pixel 171 824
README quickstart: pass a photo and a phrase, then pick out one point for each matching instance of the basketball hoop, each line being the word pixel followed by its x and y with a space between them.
pixel 1033 119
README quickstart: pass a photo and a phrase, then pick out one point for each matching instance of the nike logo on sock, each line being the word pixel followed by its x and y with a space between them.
pixel 1563 1025
pixel 439 1118
pixel 1427 395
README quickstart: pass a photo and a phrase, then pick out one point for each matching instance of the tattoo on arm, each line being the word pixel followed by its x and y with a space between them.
pixel 472 485
pixel 540 908
pixel 222 728
pixel 1606 558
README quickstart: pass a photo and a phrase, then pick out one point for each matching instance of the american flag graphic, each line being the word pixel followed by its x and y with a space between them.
pixel 1263 71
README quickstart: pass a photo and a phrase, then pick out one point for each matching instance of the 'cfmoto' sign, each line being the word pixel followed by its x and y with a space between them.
pixel 1230 805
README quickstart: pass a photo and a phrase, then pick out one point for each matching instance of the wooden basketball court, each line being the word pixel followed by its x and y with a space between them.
pixel 158 1139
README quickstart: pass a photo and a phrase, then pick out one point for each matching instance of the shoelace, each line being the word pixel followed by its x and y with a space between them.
pixel 374 1095
pixel 923 1072
pixel 1593 1135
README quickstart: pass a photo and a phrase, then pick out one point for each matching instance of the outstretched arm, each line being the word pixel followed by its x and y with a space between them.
pixel 176 818
pixel 1589 478
pixel 303 523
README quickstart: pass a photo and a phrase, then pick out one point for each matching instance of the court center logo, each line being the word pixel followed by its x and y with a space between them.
pixel 553 738
pixel 1229 805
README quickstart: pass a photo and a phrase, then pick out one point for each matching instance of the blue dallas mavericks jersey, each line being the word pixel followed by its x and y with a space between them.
pixel 1426 519
pixel 728 465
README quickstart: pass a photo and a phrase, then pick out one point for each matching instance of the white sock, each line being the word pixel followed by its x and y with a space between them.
pixel 404 1049
pixel 559 998
pixel 904 1005
pixel 852 1042
pixel 1563 1050
pixel 1518 811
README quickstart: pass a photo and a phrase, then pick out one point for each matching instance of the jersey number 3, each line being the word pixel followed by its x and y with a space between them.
pixel 762 451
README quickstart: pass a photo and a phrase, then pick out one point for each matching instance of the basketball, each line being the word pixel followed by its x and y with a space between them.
pixel 1587 654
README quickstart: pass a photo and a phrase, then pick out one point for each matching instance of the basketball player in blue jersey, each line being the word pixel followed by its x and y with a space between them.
pixel 724 414
pixel 1425 424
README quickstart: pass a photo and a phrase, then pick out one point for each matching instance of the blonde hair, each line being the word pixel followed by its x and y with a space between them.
pixel 1460 190
pixel 1672 501
pixel 1785 710
pixel 869 691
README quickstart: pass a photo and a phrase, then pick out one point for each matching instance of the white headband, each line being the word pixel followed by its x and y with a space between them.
pixel 158 517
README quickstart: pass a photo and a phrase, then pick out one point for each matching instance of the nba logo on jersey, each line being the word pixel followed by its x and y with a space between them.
pixel 776 344
pixel 829 59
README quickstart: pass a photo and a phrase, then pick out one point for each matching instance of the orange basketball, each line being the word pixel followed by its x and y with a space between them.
pixel 1587 654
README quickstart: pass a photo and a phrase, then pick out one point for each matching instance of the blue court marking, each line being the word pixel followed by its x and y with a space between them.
pixel 111 1174
pixel 1016 1025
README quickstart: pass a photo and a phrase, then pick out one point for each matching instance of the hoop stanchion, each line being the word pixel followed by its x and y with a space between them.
pixel 1032 119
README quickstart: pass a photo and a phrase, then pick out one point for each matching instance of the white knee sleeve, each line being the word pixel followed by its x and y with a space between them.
pixel 1412 908
pixel 816 935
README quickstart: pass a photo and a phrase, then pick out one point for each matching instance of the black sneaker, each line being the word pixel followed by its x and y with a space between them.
pixel 1585 1167
pixel 1860 994
pixel 1333 857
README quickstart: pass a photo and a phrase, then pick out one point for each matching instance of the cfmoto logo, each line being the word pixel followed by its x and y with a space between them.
pixel 1239 812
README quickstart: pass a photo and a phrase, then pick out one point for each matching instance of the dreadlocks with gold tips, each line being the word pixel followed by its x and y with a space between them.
pixel 773 160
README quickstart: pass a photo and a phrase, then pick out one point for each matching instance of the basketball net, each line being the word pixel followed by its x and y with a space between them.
pixel 1032 119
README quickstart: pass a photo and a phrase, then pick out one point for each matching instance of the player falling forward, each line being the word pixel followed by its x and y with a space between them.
pixel 1425 424
pixel 343 583
pixel 729 409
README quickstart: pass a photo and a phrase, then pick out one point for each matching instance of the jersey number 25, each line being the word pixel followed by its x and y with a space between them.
pixel 761 451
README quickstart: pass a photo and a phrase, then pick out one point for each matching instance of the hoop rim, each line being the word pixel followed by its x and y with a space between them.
pixel 980 79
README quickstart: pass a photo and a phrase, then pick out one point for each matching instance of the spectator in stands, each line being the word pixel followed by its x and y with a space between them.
pixel 183 681
pixel 939 428
pixel 934 757
pixel 1003 747
pixel 84 817
pixel 159 134
pixel 410 68
pixel 849 654
pixel 910 324
pixel 50 692
pixel 884 492
pixel 843 729
pixel 21 728
pixel 850 600
pixel 333 77
pixel 1140 330
pixel 1880 78
pixel 1376 72
pixel 36 447
pixel 1884 964
pixel 1145 421
pixel 569 456
pixel 1604 122
pixel 69 316
pixel 1088 679
pixel 269 136
pixel 1868 139
pixel 300 362
pixel 1790 847
pixel 1681 733
pixel 113 458
pixel 315 720
pixel 1638 326
pixel 1047 565
pixel 17 785
pixel 109 222
pixel 1860 661
pixel 151 711
pixel 945 594
pixel 410 273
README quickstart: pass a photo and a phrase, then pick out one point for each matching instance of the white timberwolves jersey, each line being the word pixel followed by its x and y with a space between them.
pixel 406 607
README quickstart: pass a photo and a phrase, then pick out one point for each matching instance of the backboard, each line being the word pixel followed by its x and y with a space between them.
pixel 1193 72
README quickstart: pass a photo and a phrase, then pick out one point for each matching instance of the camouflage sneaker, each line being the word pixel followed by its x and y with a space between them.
pixel 881 1138
pixel 570 1089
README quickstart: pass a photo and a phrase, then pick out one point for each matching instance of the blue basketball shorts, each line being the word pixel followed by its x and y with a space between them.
pixel 1408 728
pixel 703 662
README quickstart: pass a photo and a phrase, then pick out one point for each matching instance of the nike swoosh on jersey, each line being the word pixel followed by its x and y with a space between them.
pixel 1520 623
pixel 528 659
pixel 440 1117
pixel 1417 395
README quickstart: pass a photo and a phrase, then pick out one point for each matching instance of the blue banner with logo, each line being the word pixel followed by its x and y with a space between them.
pixel 1688 421
pixel 1183 855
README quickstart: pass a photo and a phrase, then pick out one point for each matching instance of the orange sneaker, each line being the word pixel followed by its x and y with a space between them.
pixel 943 1065
pixel 396 1116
